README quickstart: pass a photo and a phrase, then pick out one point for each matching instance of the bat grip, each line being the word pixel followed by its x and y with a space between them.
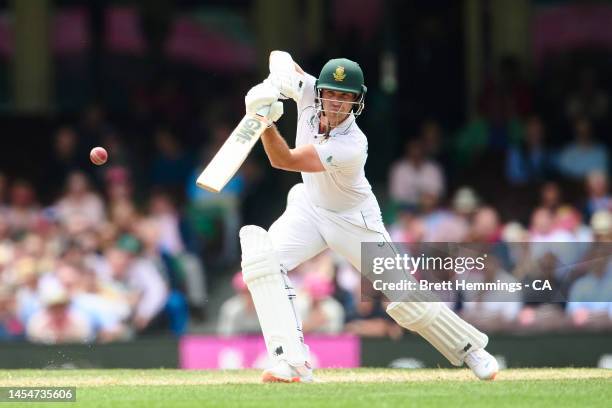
pixel 264 111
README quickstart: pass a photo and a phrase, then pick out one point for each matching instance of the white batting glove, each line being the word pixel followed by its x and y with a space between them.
pixel 276 111
pixel 262 99
pixel 284 76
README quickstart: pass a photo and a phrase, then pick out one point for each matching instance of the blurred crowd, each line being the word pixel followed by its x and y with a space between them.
pixel 87 268
pixel 110 252
pixel 131 247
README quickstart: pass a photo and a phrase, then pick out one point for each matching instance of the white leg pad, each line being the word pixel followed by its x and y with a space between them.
pixel 441 327
pixel 273 297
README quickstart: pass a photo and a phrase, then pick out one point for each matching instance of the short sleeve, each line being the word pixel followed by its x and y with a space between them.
pixel 335 155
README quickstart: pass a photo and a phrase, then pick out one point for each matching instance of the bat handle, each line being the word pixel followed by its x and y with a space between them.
pixel 264 111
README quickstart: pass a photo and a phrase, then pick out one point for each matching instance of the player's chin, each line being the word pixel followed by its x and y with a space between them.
pixel 340 116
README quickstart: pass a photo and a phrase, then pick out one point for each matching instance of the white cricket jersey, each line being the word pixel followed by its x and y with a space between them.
pixel 343 185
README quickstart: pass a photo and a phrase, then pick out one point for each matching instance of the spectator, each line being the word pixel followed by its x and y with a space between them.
pixel 171 268
pixel 550 196
pixel 492 310
pixel 434 146
pixel 516 239
pixel 436 219
pixel 172 165
pixel 543 228
pixel 124 216
pixel 601 227
pixel 165 214
pixel 508 94
pixel 89 244
pixel 591 296
pixel 542 318
pixel 470 142
pixel 119 154
pixel 93 127
pixel 237 314
pixel 408 227
pixel 27 276
pixel 465 203
pixel 58 322
pixel 118 185
pixel 348 282
pixel 530 161
pixel 170 243
pixel 319 311
pixel 599 198
pixel 453 226
pixel 589 100
pixel 414 175
pixel 601 224
pixel 441 225
pixel 66 157
pixel 568 218
pixel 106 316
pixel 23 212
pixel 80 201
pixel 543 268
pixel 439 276
pixel 10 327
pixel 141 276
pixel 584 155
pixel 546 237
pixel 513 232
pixel 486 226
pixel 371 320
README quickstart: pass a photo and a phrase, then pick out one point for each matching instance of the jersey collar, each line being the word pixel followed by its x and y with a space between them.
pixel 342 128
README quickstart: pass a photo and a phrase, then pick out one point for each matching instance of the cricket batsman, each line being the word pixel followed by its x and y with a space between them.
pixel 333 207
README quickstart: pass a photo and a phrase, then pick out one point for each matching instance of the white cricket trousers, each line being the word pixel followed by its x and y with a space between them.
pixel 304 230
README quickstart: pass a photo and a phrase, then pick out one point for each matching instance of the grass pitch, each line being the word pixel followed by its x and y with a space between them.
pixel 336 388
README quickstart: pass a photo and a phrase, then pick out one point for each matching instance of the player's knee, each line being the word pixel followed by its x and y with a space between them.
pixel 258 256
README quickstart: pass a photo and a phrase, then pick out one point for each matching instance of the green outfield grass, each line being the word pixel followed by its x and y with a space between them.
pixel 336 388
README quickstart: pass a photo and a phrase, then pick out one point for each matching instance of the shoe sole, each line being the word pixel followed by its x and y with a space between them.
pixel 271 378
pixel 491 378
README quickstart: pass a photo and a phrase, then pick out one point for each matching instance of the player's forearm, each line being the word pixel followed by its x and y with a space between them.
pixel 276 148
pixel 303 158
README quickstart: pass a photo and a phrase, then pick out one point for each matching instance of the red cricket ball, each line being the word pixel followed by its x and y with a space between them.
pixel 98 155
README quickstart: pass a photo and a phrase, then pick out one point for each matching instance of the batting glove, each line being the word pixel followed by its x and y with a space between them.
pixel 262 99
pixel 284 77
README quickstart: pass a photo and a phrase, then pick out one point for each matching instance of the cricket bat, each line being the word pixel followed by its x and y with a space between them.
pixel 234 152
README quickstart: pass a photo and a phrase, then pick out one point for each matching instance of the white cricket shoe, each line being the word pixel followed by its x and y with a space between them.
pixel 483 364
pixel 283 372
